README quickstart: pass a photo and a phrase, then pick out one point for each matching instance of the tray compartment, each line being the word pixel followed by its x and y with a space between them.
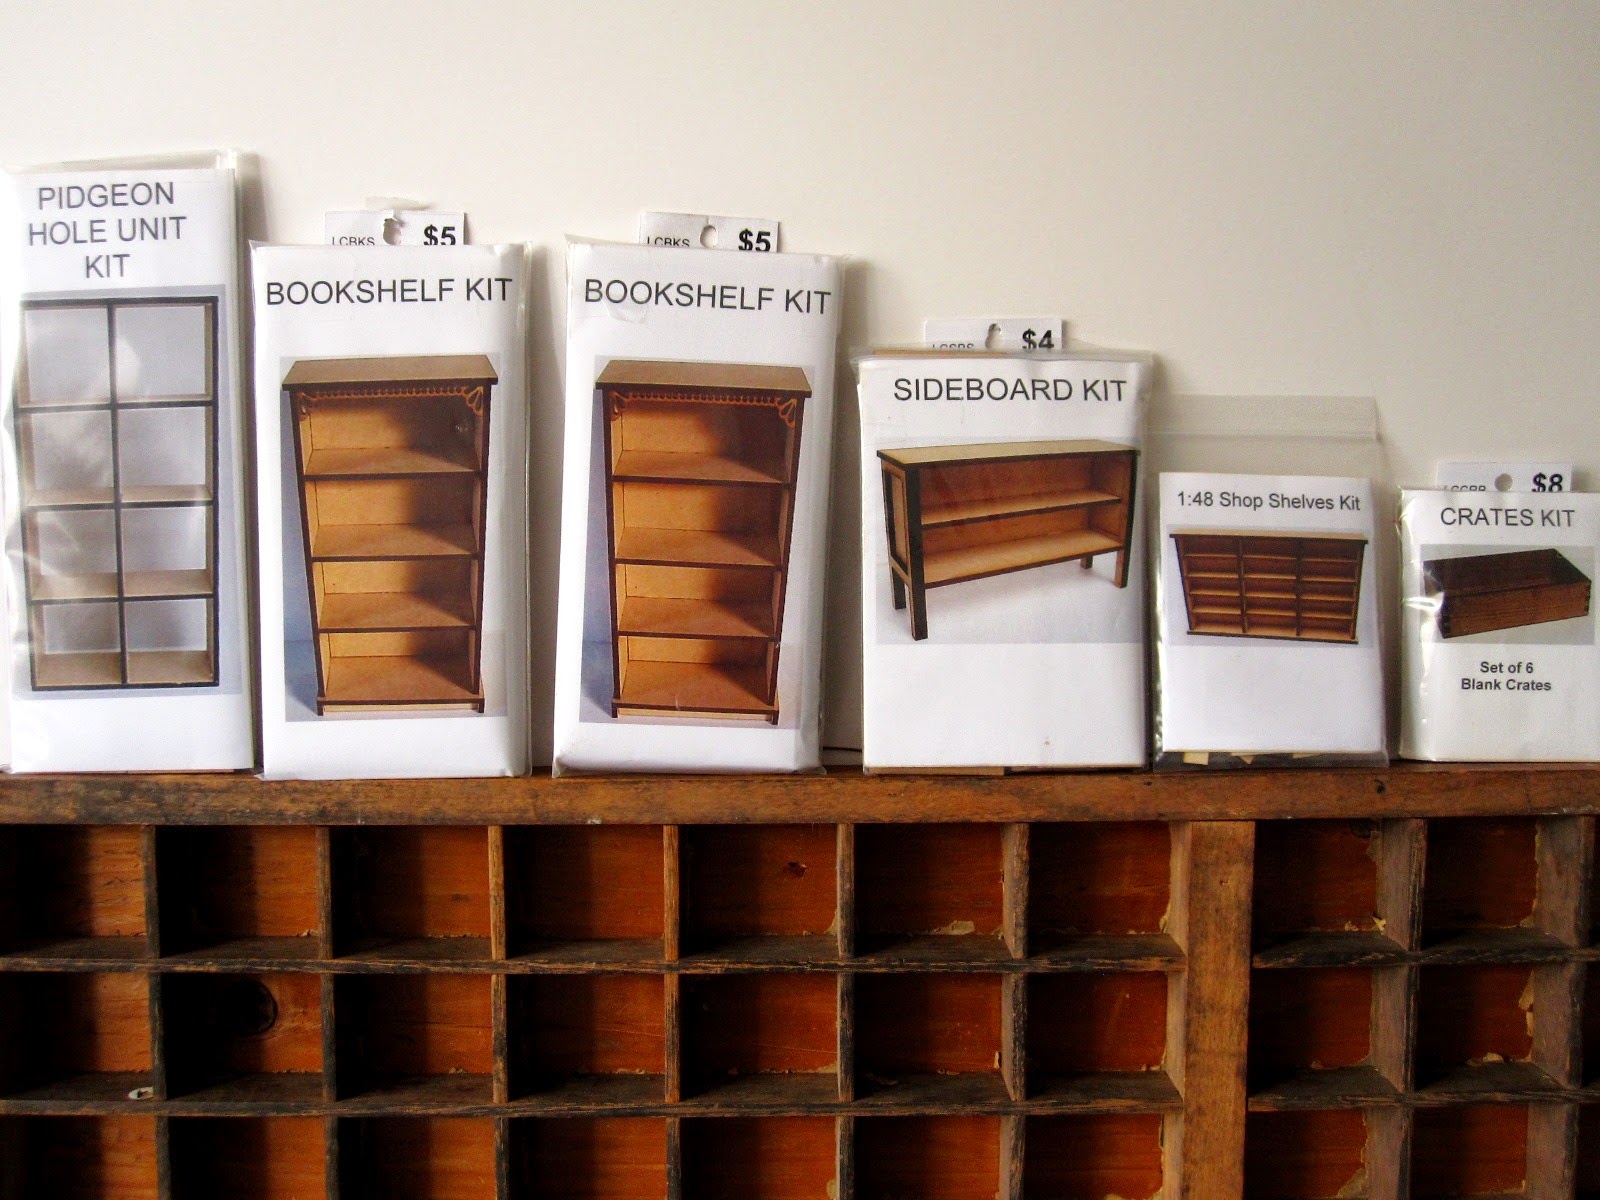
pixel 1099 891
pixel 769 1158
pixel 587 1036
pixel 417 1158
pixel 1091 1157
pixel 413 1039
pixel 921 1037
pixel 243 1037
pixel 768 1037
pixel 1483 592
pixel 79 1158
pixel 260 1158
pixel 1312 1155
pixel 72 892
pixel 582 894
pixel 1092 1037
pixel 762 893
pixel 929 1157
pixel 417 894
pixel 88 1039
pixel 930 893
pixel 596 1158
pixel 240 893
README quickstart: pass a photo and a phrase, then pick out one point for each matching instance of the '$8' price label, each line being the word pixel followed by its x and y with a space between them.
pixel 1552 482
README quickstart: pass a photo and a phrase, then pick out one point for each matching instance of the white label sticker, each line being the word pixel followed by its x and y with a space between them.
pixel 691 230
pixel 395 227
pixel 1504 477
pixel 995 333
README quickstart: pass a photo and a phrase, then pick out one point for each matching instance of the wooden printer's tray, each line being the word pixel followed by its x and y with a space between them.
pixel 1066 986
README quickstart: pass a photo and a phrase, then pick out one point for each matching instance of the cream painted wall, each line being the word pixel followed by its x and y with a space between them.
pixel 1390 199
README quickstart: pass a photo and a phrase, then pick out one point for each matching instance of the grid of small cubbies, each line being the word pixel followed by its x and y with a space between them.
pixel 789 1010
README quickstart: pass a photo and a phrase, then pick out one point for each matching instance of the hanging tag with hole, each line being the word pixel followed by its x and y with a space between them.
pixel 995 333
pixel 1504 477
pixel 692 230
pixel 395 226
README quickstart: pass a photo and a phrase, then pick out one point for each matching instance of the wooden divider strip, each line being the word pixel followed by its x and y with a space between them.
pixel 845 890
pixel 497 894
pixel 1217 1003
pixel 1013 1157
pixel 846 1031
pixel 671 893
pixel 1014 851
pixel 1014 1034
pixel 1400 863
pixel 1552 1150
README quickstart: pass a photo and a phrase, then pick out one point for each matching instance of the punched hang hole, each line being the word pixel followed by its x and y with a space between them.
pixel 391 231
pixel 1502 483
pixel 992 340
pixel 708 237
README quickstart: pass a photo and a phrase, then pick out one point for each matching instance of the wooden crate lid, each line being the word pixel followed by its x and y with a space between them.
pixel 916 456
pixel 740 377
pixel 414 368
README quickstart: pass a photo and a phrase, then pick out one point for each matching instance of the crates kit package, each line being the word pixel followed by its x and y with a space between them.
pixel 699 415
pixel 119 342
pixel 1499 652
pixel 1001 567
pixel 391 456
pixel 1267 606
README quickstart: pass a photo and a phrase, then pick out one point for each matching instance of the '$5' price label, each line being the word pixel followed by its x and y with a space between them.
pixel 440 235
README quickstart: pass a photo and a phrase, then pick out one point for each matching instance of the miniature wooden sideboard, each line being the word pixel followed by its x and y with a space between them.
pixel 957 513
pixel 1207 985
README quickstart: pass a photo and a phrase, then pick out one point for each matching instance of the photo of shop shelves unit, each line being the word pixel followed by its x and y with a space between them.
pixel 392 456
pixel 957 513
pixel 116 427
pixel 1328 1006
pixel 1483 592
pixel 701 468
pixel 1305 587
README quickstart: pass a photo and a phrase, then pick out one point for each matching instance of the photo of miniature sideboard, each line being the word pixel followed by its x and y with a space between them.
pixel 958 513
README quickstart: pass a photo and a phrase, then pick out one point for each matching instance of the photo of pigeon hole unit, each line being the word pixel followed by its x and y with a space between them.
pixel 701 467
pixel 1271 584
pixel 392 457
pixel 962 512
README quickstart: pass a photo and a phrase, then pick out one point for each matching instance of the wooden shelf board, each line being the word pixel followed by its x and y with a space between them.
pixel 587 1094
pixel 929 951
pixel 94 404
pixel 176 400
pixel 1105 1092
pixel 396 680
pixel 416 953
pixel 168 585
pixel 917 1094
pixel 659 616
pixel 1493 946
pixel 1331 948
pixel 383 543
pixel 1434 790
pixel 390 462
pixel 655 466
pixel 1316 1089
pixel 287 1088
pixel 963 512
pixel 754 1094
pixel 798 950
pixel 420 1095
pixel 975 562
pixel 695 548
pixel 76 954
pixel 645 954
pixel 151 668
pixel 247 954
pixel 392 611
pixel 1106 952
pixel 694 688
pixel 88 669
pixel 1488 1083
pixel 88 585
pixel 102 1087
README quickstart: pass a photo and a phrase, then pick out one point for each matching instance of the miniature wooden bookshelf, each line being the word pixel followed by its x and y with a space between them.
pixel 393 458
pixel 956 513
pixel 116 426
pixel 1239 583
pixel 701 466
pixel 1294 984
pixel 1483 592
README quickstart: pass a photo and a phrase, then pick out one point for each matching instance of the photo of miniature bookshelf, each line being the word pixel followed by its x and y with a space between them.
pixel 957 513
pixel 393 467
pixel 1505 590
pixel 1262 584
pixel 116 428
pixel 701 468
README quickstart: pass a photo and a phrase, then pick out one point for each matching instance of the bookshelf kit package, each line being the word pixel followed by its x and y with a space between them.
pixel 699 420
pixel 1500 659
pixel 119 338
pixel 391 459
pixel 1002 576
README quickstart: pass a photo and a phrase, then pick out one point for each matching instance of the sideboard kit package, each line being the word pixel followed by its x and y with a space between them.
pixel 1002 570
pixel 1267 624
pixel 391 440
pixel 124 474
pixel 1500 658
pixel 699 421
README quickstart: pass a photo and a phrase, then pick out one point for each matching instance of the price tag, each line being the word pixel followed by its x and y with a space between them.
pixel 1505 477
pixel 1006 334
pixel 395 227
pixel 694 231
